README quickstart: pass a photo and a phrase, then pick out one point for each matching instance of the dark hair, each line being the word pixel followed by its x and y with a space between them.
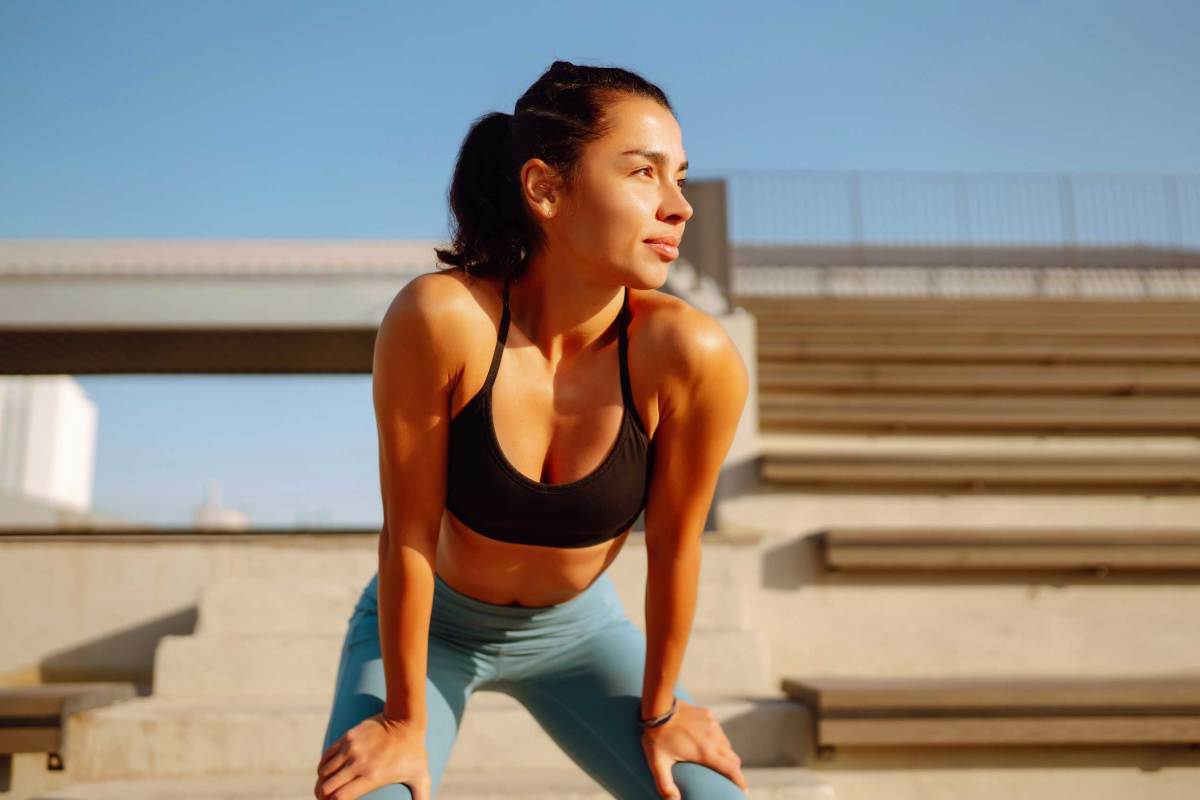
pixel 494 232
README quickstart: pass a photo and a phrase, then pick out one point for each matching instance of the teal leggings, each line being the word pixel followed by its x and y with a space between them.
pixel 576 666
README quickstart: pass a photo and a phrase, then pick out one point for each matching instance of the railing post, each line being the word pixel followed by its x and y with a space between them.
pixel 1174 216
pixel 1066 197
pixel 706 241
pixel 857 236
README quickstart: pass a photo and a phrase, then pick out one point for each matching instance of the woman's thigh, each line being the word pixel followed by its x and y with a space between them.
pixel 588 699
pixel 360 692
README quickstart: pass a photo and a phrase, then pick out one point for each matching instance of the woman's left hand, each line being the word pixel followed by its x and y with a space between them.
pixel 692 734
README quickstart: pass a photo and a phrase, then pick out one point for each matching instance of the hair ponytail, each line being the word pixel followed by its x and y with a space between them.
pixel 493 231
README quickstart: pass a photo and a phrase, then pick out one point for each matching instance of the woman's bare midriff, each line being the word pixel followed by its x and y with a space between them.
pixel 504 573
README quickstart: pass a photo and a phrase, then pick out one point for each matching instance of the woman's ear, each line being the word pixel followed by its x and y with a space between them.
pixel 541 187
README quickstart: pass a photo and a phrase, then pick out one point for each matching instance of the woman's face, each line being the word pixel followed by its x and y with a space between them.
pixel 628 190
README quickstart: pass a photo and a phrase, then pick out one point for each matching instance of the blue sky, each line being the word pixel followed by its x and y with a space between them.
pixel 331 120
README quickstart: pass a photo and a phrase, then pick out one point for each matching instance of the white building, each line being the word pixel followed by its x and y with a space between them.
pixel 48 431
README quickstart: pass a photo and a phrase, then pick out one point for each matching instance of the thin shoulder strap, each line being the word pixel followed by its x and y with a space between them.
pixel 501 338
pixel 622 332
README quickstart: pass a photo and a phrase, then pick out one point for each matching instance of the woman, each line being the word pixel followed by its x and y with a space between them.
pixel 531 400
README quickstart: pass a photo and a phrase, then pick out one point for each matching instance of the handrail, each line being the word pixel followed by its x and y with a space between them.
pixel 967 209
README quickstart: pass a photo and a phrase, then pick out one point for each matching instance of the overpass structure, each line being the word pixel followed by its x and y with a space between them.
pixel 110 306
pixel 205 306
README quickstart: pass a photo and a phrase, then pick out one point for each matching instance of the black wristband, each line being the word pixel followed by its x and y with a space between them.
pixel 645 724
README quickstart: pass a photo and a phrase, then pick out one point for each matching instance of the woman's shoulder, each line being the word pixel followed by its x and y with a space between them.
pixel 674 334
pixel 450 300
pixel 439 293
pixel 446 306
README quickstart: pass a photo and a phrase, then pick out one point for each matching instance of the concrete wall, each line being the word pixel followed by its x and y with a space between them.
pixel 976 625
pixel 741 468
pixel 75 609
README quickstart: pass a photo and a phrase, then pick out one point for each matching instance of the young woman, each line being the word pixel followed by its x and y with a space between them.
pixel 531 400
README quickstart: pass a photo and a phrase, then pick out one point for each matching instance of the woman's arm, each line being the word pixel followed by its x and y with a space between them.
pixel 412 376
pixel 410 386
pixel 702 397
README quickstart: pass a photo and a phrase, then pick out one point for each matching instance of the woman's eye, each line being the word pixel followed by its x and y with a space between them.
pixel 680 182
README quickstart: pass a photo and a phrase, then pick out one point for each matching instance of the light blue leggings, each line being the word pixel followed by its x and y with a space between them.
pixel 576 666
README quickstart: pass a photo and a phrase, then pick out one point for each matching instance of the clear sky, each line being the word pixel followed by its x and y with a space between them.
pixel 207 118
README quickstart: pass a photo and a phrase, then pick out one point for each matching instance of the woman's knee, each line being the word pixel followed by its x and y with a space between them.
pixel 701 782
pixel 393 791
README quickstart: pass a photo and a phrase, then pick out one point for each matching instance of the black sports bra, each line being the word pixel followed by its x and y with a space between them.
pixel 489 495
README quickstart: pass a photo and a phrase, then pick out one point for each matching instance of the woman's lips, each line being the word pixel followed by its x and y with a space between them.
pixel 664 249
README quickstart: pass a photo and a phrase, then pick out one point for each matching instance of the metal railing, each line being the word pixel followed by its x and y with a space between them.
pixel 956 232
pixel 964 209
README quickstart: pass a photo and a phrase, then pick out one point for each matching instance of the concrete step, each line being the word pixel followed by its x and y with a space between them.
pixel 990 473
pixel 239 665
pixel 348 559
pixel 154 737
pixel 928 624
pixel 924 626
pixel 766 783
pixel 789 443
pixel 781 512
pixel 277 607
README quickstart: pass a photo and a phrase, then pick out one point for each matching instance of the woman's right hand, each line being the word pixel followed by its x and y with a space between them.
pixel 376 752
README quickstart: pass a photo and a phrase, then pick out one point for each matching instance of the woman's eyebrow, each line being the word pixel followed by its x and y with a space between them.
pixel 654 155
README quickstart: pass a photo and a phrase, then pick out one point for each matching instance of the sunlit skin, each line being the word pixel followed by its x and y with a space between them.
pixel 556 401
pixel 556 410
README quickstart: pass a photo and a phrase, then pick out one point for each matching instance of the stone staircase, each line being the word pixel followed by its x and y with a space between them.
pixel 239 708
pixel 896 407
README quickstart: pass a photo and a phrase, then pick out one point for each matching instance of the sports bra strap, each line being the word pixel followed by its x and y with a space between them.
pixel 623 350
pixel 623 347
pixel 501 337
